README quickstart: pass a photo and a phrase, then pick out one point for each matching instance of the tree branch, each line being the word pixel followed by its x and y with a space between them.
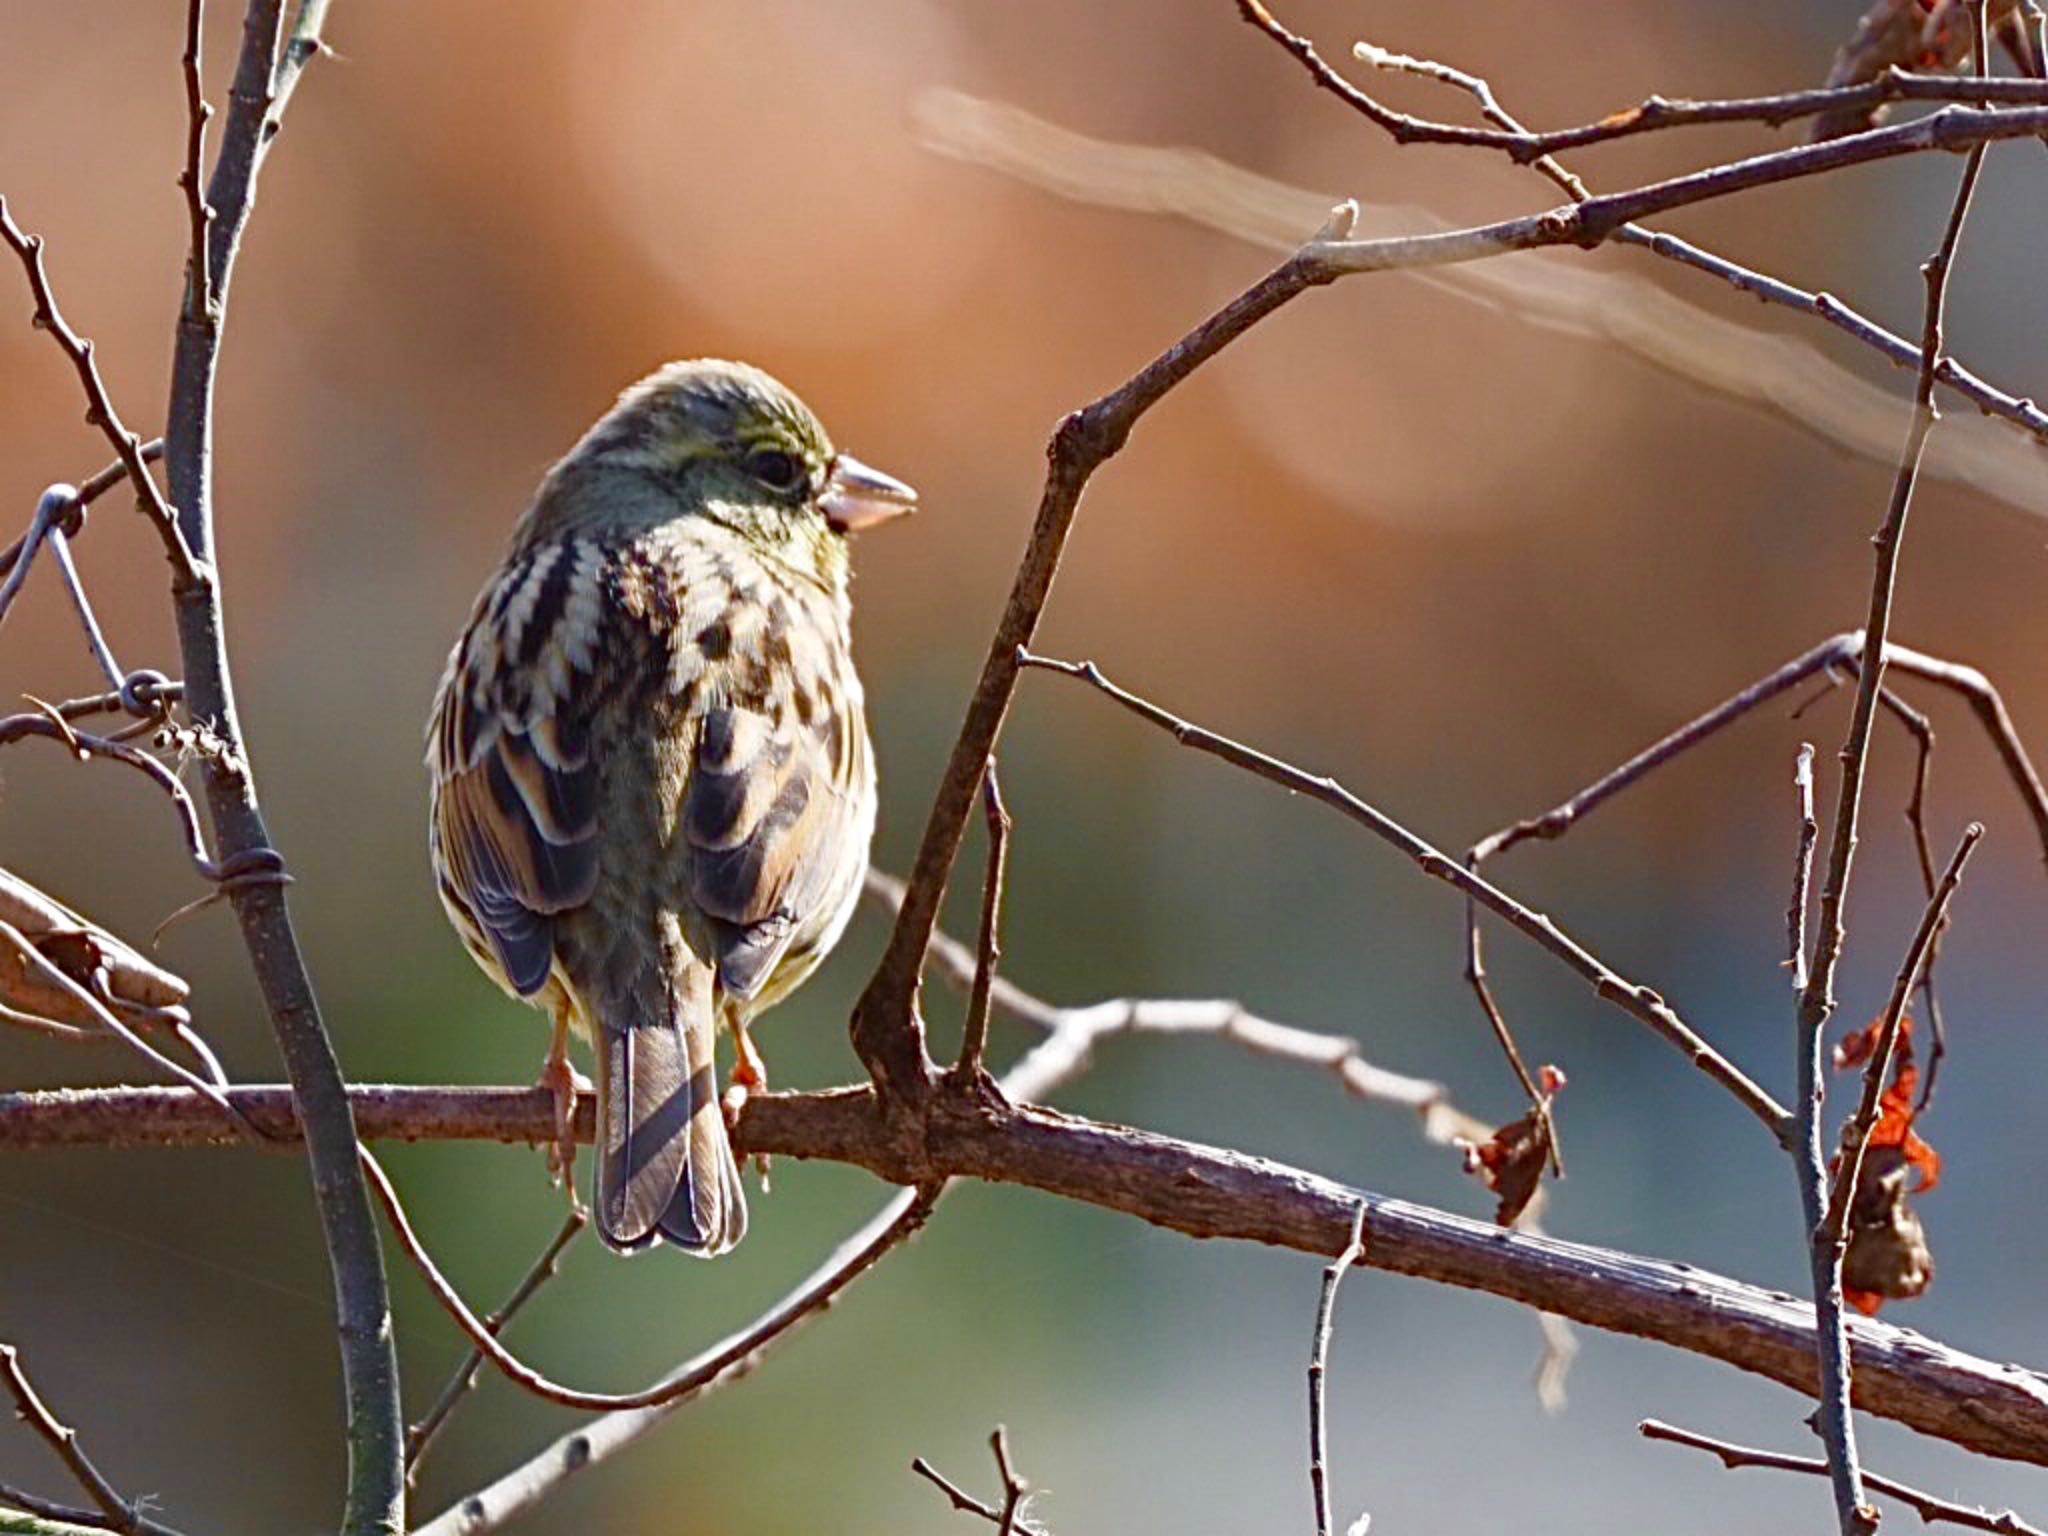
pixel 1998 1410
pixel 1827 1241
pixel 888 1032
pixel 1925 1505
pixel 375 1504
pixel 1631 997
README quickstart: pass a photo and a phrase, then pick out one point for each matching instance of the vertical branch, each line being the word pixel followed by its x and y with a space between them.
pixel 198 266
pixel 1802 866
pixel 264 72
pixel 1318 1368
pixel 1826 1242
pixel 968 1071
pixel 887 1031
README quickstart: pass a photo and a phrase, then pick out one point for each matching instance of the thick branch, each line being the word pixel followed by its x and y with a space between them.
pixel 1998 1410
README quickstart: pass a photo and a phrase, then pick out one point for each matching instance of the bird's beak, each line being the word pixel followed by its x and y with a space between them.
pixel 858 497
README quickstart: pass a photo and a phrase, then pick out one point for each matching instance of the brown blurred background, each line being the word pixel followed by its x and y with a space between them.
pixel 1463 562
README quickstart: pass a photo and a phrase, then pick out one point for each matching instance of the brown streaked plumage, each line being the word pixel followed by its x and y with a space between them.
pixel 653 790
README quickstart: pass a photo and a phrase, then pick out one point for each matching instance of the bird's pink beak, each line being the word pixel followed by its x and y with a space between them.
pixel 858 497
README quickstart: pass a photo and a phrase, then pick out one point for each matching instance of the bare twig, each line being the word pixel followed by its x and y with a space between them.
pixel 959 1497
pixel 84 745
pixel 728 1360
pixel 1015 1489
pixel 1802 866
pixel 88 493
pixel 1318 1368
pixel 53 1518
pixel 1922 731
pixel 198 270
pixel 888 1032
pixel 968 1070
pixel 1877 1072
pixel 120 1514
pixel 1633 998
pixel 1652 115
pixel 1010 1517
pixel 1844 650
pixel 1791 377
pixel 1929 1508
pixel 484 1338
pixel 420 1436
pixel 1827 1242
pixel 188 572
pixel 53 975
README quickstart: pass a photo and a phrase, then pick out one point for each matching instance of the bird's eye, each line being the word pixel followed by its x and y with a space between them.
pixel 775 469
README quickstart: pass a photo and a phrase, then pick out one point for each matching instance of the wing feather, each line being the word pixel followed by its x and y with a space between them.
pixel 516 796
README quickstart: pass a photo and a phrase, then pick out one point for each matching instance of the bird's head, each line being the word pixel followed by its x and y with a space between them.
pixel 724 441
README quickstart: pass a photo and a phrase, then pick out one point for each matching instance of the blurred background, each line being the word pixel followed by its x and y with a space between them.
pixel 1464 563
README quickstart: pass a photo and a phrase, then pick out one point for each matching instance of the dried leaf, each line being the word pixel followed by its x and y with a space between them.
pixel 135 987
pixel 1888 1257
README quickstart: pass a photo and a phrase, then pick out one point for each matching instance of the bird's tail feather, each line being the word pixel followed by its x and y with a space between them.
pixel 665 1167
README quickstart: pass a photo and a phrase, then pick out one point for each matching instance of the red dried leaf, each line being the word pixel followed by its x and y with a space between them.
pixel 1896 1110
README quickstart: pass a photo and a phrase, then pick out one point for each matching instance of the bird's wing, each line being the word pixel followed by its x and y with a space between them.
pixel 516 793
pixel 773 808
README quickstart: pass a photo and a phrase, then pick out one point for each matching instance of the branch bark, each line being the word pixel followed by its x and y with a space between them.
pixel 267 69
pixel 1997 1410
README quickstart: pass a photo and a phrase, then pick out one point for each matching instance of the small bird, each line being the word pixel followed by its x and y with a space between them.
pixel 653 791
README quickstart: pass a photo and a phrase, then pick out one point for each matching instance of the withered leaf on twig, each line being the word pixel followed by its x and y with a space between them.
pixel 138 990
pixel 1921 35
pixel 1888 1257
pixel 1512 1160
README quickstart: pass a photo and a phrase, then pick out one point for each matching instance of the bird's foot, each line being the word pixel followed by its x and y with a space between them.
pixel 564 1083
pixel 749 1077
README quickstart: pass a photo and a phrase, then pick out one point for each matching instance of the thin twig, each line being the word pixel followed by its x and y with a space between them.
pixel 1074 1032
pixel 888 1032
pixel 1010 1516
pixel 55 975
pixel 1015 1489
pixel 420 1436
pixel 121 1515
pixel 1921 729
pixel 1652 115
pixel 1536 150
pixel 1929 1508
pixel 1826 1242
pixel 85 745
pixel 728 1360
pixel 1842 650
pixel 989 950
pixel 1318 1368
pixel 187 571
pixel 198 271
pixel 1877 1072
pixel 485 1339
pixel 1802 866
pixel 1631 997
pixel 58 1519
pixel 88 493
pixel 95 639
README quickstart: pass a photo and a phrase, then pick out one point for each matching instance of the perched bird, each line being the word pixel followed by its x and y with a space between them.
pixel 653 791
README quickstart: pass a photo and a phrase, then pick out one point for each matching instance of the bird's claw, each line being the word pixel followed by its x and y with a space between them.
pixel 564 1083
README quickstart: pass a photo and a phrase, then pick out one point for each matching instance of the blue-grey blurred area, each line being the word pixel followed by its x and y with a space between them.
pixel 1463 563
